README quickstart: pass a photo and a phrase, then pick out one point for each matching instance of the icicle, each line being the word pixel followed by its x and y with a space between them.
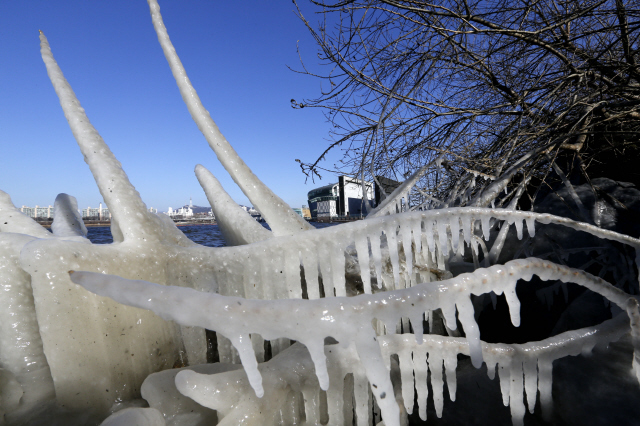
pixel 450 365
pixel 514 304
pixel 362 248
pixel 429 231
pixel 442 235
pixel 392 243
pixel 545 367
pixel 437 383
pixel 531 226
pixel 504 376
pixel 417 236
pixel 418 331
pixel 310 264
pixel 516 396
pixel 530 369
pixel 361 397
pixel 454 223
pixel 421 371
pixel 292 271
pixel 258 346
pixel 405 234
pixel 406 376
pixel 466 228
pixel 486 226
pixel 374 239
pixel 519 225
pixel 467 319
pixel 337 269
pixel 324 254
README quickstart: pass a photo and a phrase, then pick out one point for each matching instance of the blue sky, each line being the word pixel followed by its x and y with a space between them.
pixel 236 54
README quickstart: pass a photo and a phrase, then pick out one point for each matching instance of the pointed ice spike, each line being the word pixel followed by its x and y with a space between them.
pixel 12 220
pixel 280 217
pixel 67 221
pixel 124 202
pixel 236 225
pixel 362 247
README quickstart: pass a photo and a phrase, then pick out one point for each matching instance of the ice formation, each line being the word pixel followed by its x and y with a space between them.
pixel 64 349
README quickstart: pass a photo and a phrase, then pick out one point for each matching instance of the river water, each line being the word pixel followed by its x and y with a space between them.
pixel 206 235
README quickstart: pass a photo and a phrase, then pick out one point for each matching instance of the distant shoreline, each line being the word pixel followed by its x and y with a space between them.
pixel 105 224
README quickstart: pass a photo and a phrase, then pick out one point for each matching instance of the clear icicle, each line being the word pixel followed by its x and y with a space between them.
pixel 362 247
pixel 405 234
pixel 486 226
pixel 392 243
pixel 454 224
pixel 376 254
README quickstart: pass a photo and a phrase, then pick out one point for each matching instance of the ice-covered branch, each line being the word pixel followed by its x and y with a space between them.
pixel 348 320
pixel 280 217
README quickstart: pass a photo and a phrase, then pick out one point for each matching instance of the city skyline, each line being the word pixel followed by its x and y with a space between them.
pixel 111 57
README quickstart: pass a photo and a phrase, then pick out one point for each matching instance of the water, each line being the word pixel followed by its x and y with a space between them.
pixel 206 235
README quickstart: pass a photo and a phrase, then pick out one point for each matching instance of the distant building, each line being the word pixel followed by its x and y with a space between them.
pixel 189 211
pixel 99 213
pixel 306 213
pixel 342 199
pixel 38 212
